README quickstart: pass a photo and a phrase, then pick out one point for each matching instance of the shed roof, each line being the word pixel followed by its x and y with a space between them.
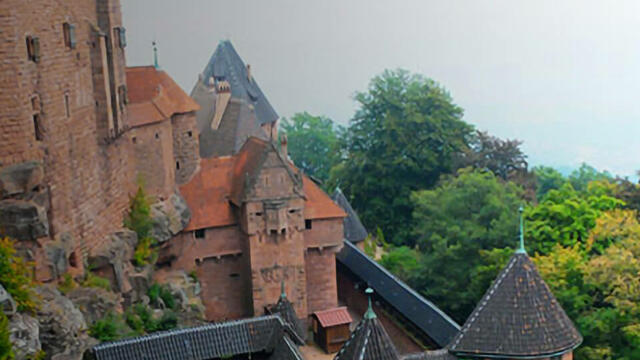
pixel 415 308
pixel 154 96
pixel 333 317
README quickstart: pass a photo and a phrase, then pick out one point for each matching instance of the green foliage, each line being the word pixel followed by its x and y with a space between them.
pixel 547 179
pixel 6 348
pixel 403 262
pixel 565 216
pixel 139 220
pixel 16 276
pixel 40 355
pixel 67 284
pixel 581 177
pixel 109 328
pixel 159 292
pixel 193 274
pixel 401 139
pixel 141 320
pixel 95 281
pixel 455 222
pixel 312 143
pixel 370 246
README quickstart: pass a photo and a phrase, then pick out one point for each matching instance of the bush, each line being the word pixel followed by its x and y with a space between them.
pixel 109 328
pixel 157 291
pixel 144 253
pixel 141 320
pixel 67 284
pixel 6 349
pixel 139 220
pixel 16 276
pixel 96 281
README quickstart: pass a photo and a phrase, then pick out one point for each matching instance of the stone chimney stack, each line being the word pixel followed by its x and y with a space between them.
pixel 249 77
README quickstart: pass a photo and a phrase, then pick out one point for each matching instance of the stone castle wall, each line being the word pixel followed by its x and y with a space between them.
pixel 87 179
pixel 186 146
pixel 153 149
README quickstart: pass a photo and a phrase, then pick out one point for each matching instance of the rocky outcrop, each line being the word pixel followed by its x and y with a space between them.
pixel 63 329
pixel 20 178
pixel 24 334
pixel 112 259
pixel 94 303
pixel 57 253
pixel 169 217
pixel 7 304
pixel 23 220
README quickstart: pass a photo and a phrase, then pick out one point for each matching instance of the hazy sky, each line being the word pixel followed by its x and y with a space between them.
pixel 563 76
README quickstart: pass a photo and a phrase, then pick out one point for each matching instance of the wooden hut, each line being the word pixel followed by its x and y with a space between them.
pixel 331 328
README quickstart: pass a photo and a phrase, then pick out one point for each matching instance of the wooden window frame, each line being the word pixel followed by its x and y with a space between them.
pixel 69 33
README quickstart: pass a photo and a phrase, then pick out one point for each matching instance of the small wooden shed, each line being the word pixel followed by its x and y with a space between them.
pixel 331 328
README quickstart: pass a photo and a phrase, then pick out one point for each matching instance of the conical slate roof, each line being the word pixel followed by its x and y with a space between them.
pixel 354 231
pixel 226 65
pixel 518 317
pixel 284 308
pixel 369 341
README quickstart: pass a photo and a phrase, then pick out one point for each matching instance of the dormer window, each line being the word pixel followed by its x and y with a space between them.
pixel 69 31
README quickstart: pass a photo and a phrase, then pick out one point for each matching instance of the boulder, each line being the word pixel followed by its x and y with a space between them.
pixel 7 304
pixel 63 330
pixel 94 303
pixel 23 220
pixel 112 258
pixel 24 334
pixel 169 217
pixel 20 178
pixel 140 281
pixel 57 253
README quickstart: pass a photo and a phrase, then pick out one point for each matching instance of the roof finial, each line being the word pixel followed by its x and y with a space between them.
pixel 369 314
pixel 155 55
pixel 283 294
pixel 521 249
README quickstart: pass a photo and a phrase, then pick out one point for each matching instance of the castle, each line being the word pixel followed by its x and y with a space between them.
pixel 80 130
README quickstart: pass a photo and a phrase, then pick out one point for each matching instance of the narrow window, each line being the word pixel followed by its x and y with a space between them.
pixel 66 105
pixel 33 48
pixel 134 139
pixel 190 133
pixel 234 275
pixel 307 224
pixel 177 165
pixel 37 126
pixel 157 136
pixel 123 96
pixel 69 31
pixel 199 234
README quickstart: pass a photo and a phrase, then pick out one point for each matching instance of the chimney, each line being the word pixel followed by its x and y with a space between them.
pixel 283 146
pixel 249 77
pixel 212 84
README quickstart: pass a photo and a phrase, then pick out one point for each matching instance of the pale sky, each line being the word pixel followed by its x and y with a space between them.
pixel 563 76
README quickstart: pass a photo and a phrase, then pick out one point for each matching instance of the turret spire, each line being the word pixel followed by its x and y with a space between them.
pixel 155 55
pixel 370 314
pixel 521 249
pixel 283 294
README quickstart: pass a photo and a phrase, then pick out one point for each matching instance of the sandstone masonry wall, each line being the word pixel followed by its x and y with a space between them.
pixel 186 146
pixel 153 149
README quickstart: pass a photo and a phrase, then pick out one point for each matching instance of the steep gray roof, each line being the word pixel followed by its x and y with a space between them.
pixel 440 354
pixel 226 64
pixel 416 309
pixel 354 231
pixel 261 334
pixel 518 318
pixel 369 341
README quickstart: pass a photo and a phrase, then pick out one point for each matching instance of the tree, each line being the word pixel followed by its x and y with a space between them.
pixel 139 220
pixel 547 178
pixel 403 262
pixel 585 174
pixel 401 139
pixel 459 224
pixel 504 158
pixel 565 216
pixel 312 143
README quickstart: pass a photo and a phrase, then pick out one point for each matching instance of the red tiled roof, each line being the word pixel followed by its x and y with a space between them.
pixel 318 204
pixel 154 96
pixel 221 180
pixel 207 194
pixel 333 317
